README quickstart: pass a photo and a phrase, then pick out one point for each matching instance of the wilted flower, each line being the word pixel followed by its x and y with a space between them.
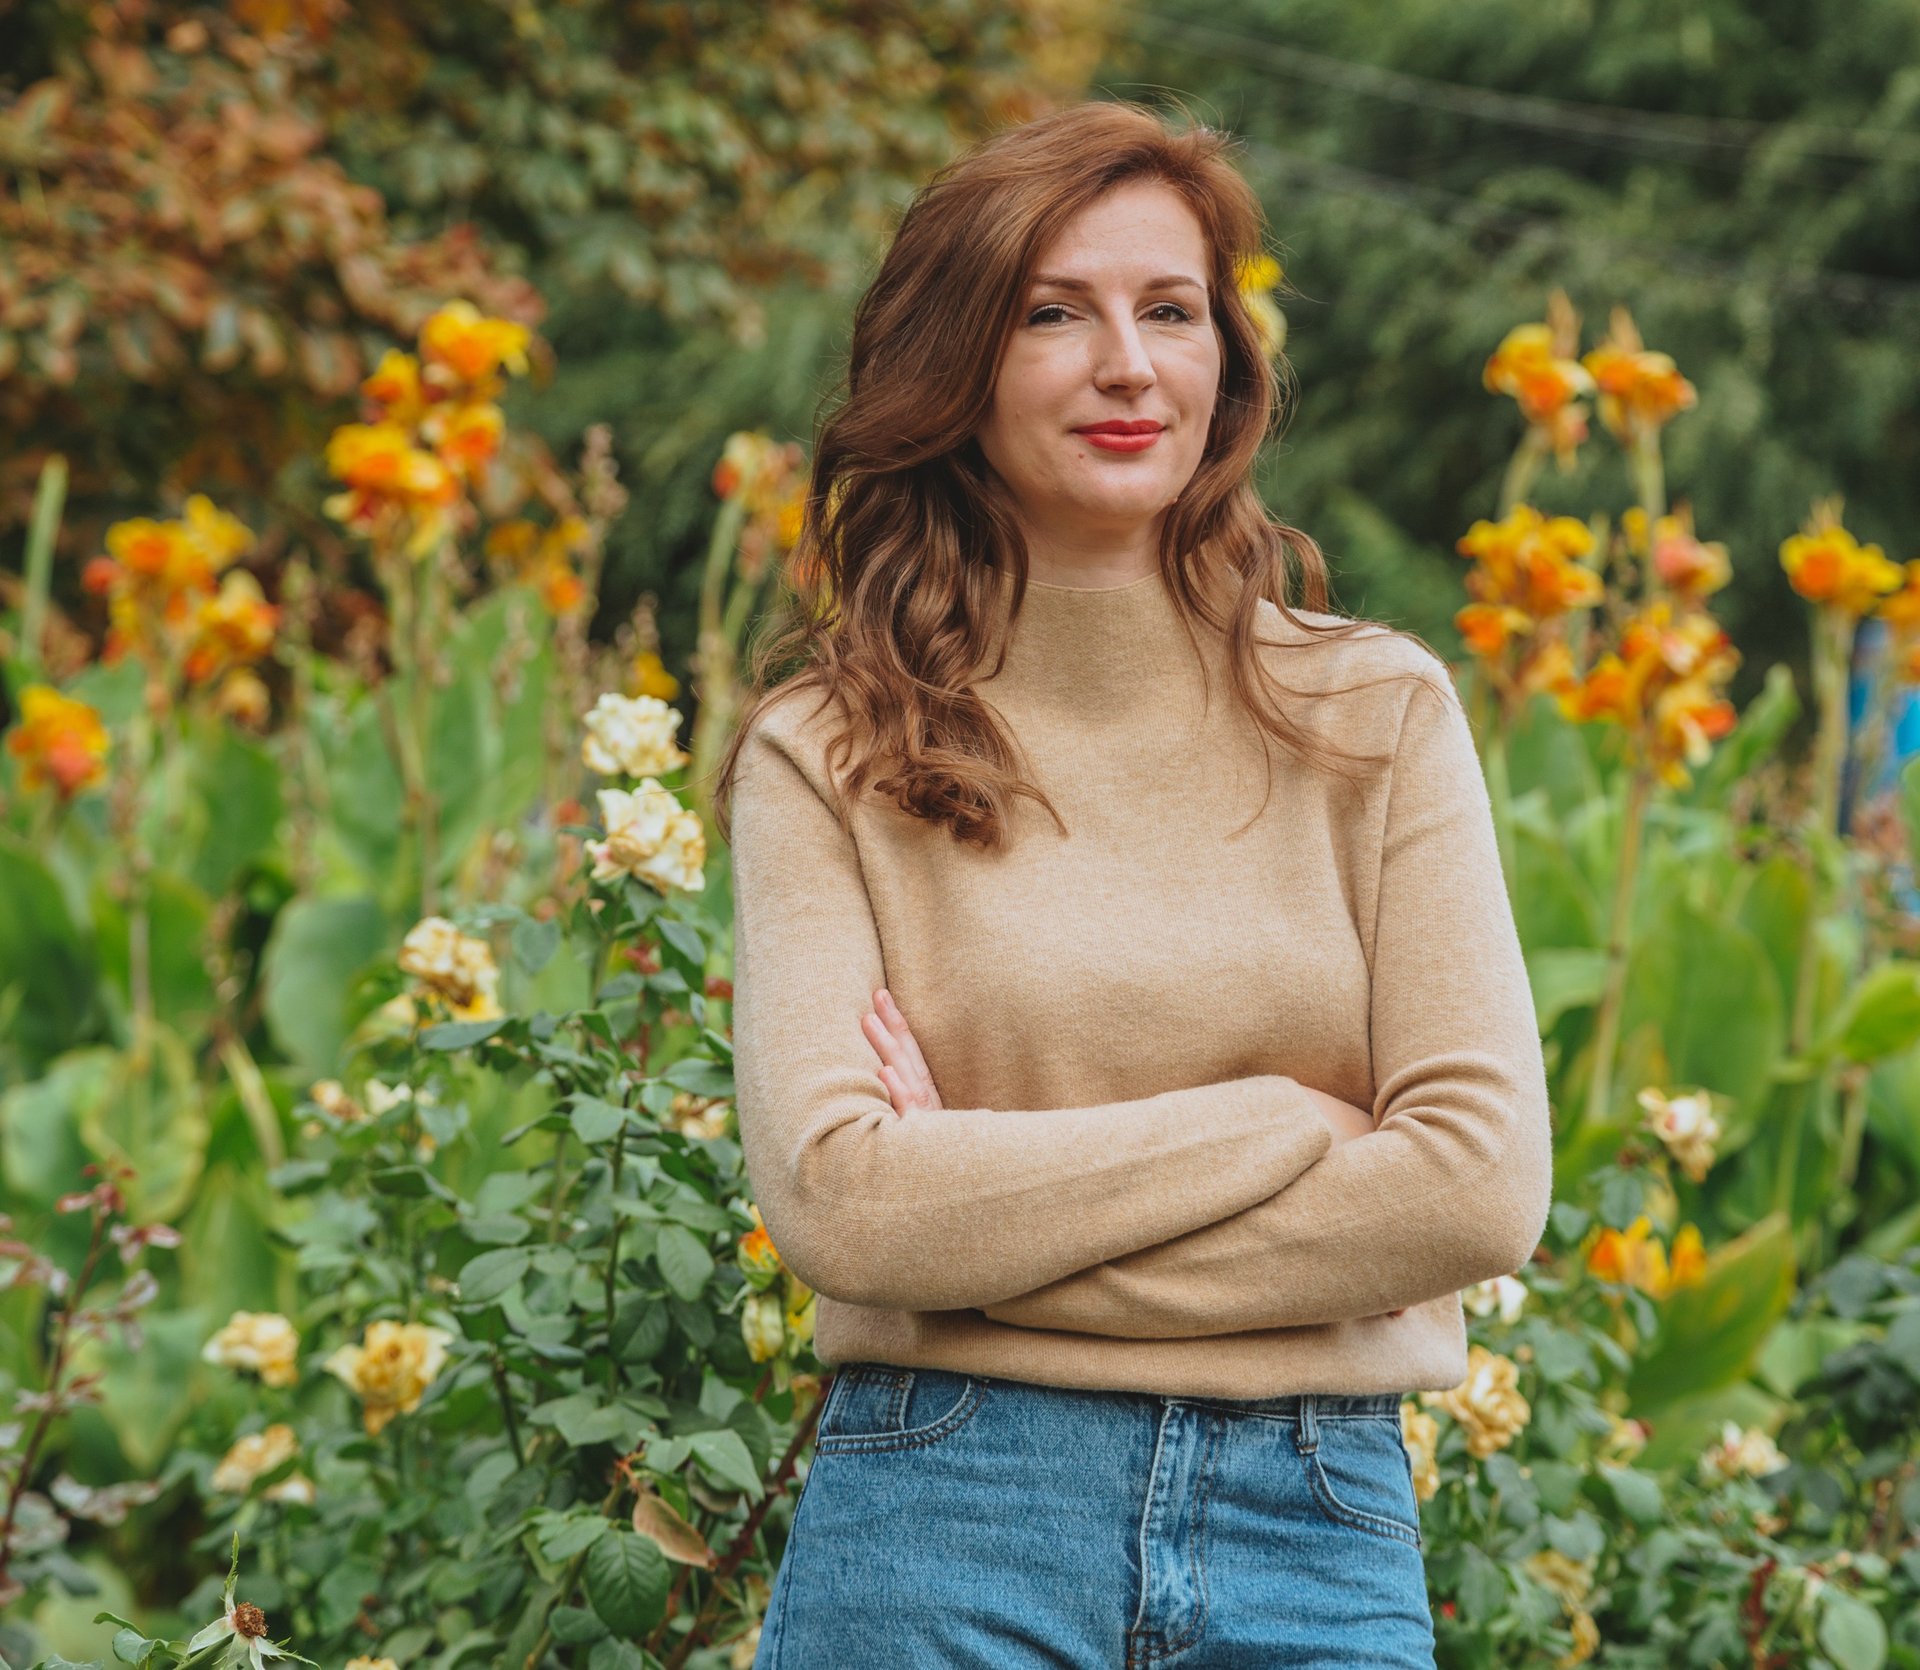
pixel 1686 1125
pixel 1571 1580
pixel 631 736
pixel 1742 1451
pixel 1487 1405
pixel 456 967
pixel 244 698
pixel 258 1453
pixel 1505 1294
pixel 60 741
pixel 263 1342
pixel 651 837
pixel 700 1116
pixel 332 1096
pixel 1420 1432
pixel 648 676
pixel 801 1304
pixel 243 1625
pixel 391 1371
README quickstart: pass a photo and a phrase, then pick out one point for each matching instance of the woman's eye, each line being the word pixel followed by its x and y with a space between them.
pixel 1035 318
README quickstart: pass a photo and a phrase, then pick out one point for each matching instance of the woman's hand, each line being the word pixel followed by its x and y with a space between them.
pixel 903 1069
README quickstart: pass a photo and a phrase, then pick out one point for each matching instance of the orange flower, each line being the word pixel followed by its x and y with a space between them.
pixel 1640 391
pixel 1536 364
pixel 1686 566
pixel 395 385
pixel 59 741
pixel 236 626
pixel 466 436
pixel 1662 686
pixel 1901 609
pixel 1633 1257
pixel 1825 564
pixel 471 346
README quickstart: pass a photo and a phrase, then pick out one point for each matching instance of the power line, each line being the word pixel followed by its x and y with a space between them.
pixel 1439 204
pixel 1605 123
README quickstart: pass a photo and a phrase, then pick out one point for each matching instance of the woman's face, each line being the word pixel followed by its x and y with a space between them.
pixel 1115 327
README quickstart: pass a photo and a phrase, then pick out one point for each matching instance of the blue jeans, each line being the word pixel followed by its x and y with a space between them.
pixel 964 1522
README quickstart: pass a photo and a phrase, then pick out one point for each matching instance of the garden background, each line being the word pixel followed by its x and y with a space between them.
pixel 403 426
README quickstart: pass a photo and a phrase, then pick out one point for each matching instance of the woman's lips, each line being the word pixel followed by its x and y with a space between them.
pixel 1108 440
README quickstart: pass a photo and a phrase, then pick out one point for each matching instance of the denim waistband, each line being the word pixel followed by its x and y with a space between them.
pixel 1325 1406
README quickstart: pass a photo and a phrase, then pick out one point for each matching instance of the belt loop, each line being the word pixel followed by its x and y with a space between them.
pixel 1309 1435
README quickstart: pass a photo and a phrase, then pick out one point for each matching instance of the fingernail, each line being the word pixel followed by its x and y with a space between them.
pixel 886 997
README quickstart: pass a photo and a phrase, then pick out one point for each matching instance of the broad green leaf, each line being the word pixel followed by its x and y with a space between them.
pixel 1881 1015
pixel 725 1455
pixel 46 964
pixel 595 1121
pixel 1711 1331
pixel 685 1264
pixel 491 1274
pixel 316 949
pixel 1851 1631
pixel 627 1582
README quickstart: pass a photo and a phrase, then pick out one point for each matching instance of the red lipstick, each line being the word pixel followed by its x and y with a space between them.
pixel 1122 434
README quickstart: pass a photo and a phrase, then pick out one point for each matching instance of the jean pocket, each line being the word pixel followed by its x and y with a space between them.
pixel 880 1406
pixel 1362 1477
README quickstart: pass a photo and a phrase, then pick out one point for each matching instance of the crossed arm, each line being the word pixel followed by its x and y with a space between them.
pixel 952 1208
pixel 1454 1184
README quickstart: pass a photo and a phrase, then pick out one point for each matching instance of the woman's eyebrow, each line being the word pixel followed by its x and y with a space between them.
pixel 1166 281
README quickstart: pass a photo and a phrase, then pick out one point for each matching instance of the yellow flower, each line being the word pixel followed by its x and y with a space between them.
pixel 651 837
pixel 1255 279
pixel 263 1342
pixel 1825 564
pixel 243 698
pixel 456 967
pixel 391 1371
pixel 395 384
pixel 759 1260
pixel 1625 1439
pixel 234 626
pixel 1505 1294
pixel 700 1116
pixel 1640 391
pixel 1686 1125
pixel 1742 1451
pixel 258 1453
pixel 472 346
pixel 1571 1580
pixel 1686 565
pixel 631 736
pixel 1487 1405
pixel 1420 1432
pixel 59 741
pixel 1633 1257
pixel 1586 1639
pixel 763 1326
pixel 801 1301
pixel 365 1663
pixel 649 677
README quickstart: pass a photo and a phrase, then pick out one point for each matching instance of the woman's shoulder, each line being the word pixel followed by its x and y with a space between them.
pixel 1311 653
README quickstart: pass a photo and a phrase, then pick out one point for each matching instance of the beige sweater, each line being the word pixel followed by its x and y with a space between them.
pixel 1126 1187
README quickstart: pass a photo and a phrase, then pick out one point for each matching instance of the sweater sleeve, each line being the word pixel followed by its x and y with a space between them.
pixel 1454 1183
pixel 945 1208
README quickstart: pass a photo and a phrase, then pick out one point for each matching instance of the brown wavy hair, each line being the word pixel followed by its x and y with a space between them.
pixel 894 580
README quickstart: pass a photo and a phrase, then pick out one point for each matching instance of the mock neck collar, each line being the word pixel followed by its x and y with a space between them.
pixel 1098 649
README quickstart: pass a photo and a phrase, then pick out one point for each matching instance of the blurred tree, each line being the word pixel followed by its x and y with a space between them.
pixel 213 218
pixel 1745 177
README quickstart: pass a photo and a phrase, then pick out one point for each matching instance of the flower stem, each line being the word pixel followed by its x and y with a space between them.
pixel 1613 993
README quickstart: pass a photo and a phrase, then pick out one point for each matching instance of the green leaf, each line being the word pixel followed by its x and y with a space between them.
pixel 44 962
pixel 1483 1587
pixel 1851 1631
pixel 611 1654
pixel 685 1264
pixel 684 938
pixel 1563 978
pixel 491 1274
pixel 597 1121
pixel 575 1626
pixel 700 1076
pixel 627 1582
pixel 316 949
pixel 561 1535
pixel 1637 1493
pixel 1711 1331
pixel 460 1035
pixel 724 1454
pixel 1881 1015
pixel 534 943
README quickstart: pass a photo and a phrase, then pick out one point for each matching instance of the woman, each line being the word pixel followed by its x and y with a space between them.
pixel 1137 1095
